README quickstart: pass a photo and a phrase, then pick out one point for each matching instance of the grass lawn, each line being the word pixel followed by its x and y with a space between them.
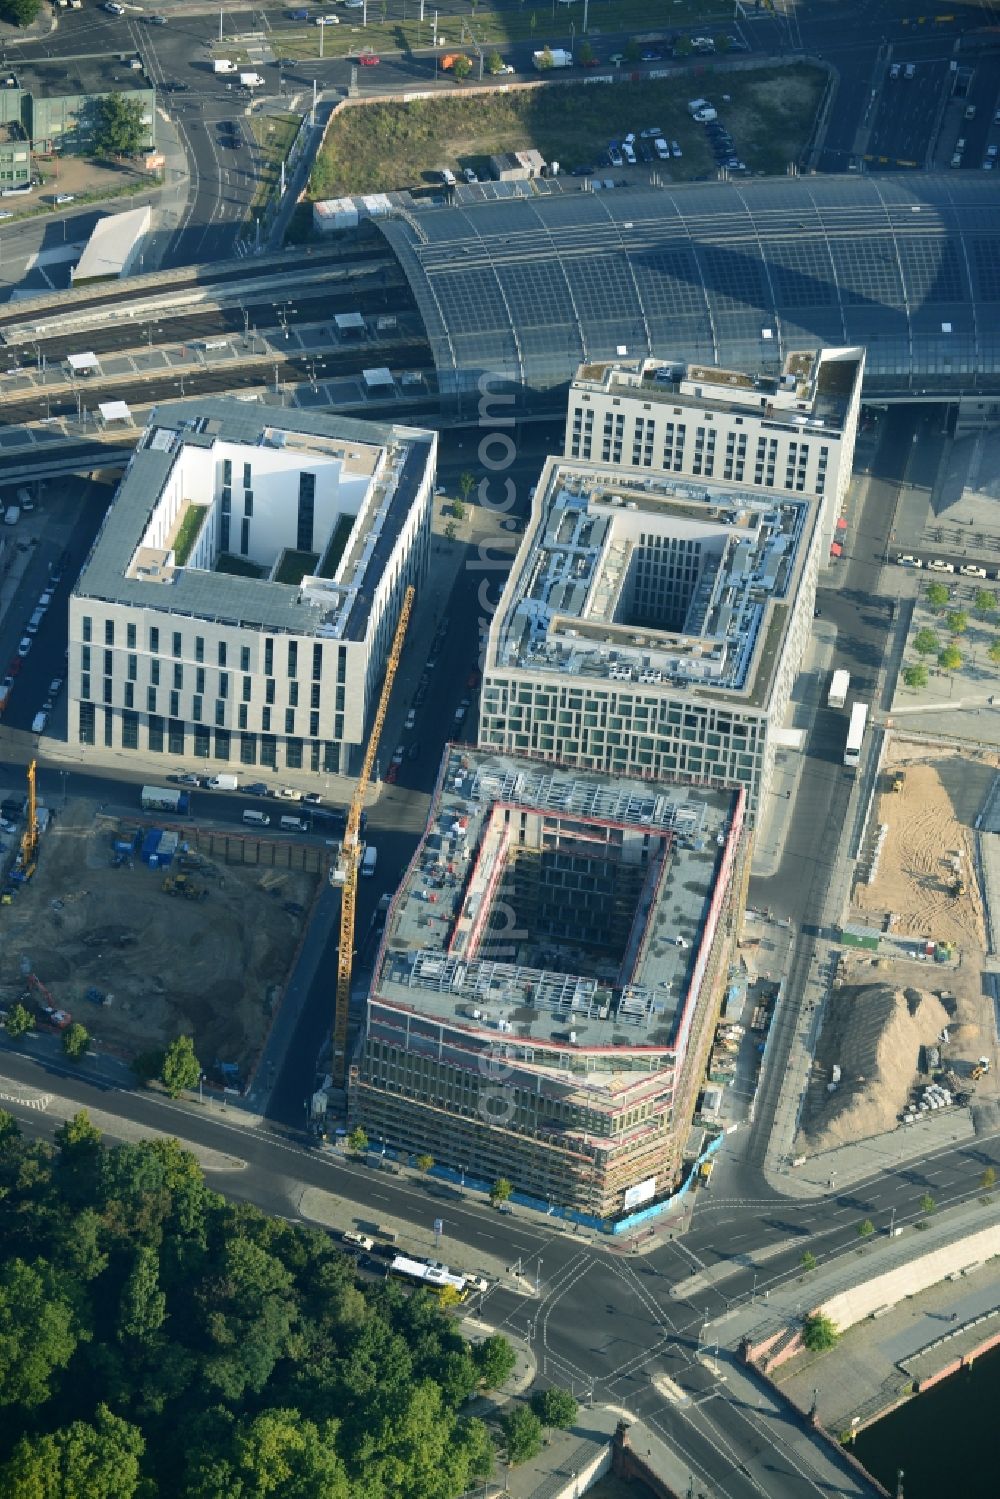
pixel 394 26
pixel 187 535
pixel 294 565
pixel 240 567
pixel 274 135
pixel 383 147
pixel 338 542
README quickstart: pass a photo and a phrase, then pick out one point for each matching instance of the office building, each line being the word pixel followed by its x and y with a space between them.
pixel 548 980
pixel 238 604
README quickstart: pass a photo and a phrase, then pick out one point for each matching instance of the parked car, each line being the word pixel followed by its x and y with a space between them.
pixel 369 60
pixel 65 197
pixel 311 799
pixel 257 788
pixel 411 719
pixel 615 156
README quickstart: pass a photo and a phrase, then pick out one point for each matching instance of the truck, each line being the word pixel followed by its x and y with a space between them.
pixel 225 781
pixel 164 799
pixel 838 689
pixel 251 80
pixel 855 734
pixel 370 860
pixel 552 57
pixel 224 65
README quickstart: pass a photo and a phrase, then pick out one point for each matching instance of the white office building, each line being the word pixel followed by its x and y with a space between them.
pixel 238 604
pixel 793 433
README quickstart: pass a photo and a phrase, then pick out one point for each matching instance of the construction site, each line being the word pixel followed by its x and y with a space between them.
pixel 199 941
pixel 909 1026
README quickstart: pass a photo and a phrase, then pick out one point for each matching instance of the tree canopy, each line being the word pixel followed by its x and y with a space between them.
pixel 118 126
pixel 157 1340
pixel 20 12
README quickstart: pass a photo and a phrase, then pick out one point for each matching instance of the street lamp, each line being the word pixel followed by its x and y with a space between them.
pixel 538 1276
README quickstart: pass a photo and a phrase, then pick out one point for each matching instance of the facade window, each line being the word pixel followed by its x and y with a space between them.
pixel 154 639
pixel 317 670
pixel 130 637
pixel 175 737
pixel 314 693
pixel 88 632
pixel 109 632
pixel 314 726
pixel 85 687
pixel 223 684
pixel 268 657
pixel 244 658
pixel 130 694
pixel 154 672
pixel 244 537
pixel 109 728
pixel 248 503
pixel 85 658
pixel 265 718
pixel 178 677
pixel 247 688
pixel 293 754
pixel 247 476
pixel 199 647
pixel 177 643
pixel 196 709
pixel 224 533
pixel 307 506
pixel 199 678
pixel 293 658
pixel 109 663
pixel 289 720
pixel 223 744
pixel 108 690
pixel 248 749
pixel 293 694
pixel 202 743
pixel 220 713
pixel 130 731
pixel 150 699
pixel 268 750
pixel 269 690
pixel 339 700
pixel 222 653
pixel 227 471
pixel 241 716
pixel 154 734
pixel 175 704
pixel 87 716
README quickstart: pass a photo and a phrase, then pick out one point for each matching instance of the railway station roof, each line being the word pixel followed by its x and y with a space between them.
pixel 521 292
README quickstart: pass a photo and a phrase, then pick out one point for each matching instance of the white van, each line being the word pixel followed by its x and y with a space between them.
pixel 12 515
pixel 256 819
pixel 38 722
pixel 370 859
pixel 293 825
pixel 35 620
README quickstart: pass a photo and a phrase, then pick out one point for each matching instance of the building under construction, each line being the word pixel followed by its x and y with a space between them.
pixel 548 977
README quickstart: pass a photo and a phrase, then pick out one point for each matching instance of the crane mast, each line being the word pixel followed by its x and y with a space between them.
pixel 345 873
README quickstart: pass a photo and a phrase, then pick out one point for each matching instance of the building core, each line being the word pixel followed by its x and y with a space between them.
pixel 548 977
pixel 241 596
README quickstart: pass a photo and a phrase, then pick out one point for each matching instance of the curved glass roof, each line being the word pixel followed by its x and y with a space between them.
pixel 519 292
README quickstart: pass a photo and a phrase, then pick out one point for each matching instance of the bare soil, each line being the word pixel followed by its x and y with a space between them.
pixel 212 969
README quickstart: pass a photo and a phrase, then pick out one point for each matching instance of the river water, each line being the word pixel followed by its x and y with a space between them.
pixel 945 1440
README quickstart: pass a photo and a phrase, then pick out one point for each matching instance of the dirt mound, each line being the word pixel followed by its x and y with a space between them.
pixel 873 1033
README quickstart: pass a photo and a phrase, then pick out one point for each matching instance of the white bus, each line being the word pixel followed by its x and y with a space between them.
pixel 856 734
pixel 431 1276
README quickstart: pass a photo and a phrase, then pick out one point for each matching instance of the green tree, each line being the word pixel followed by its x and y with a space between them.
pixel 633 51
pixel 118 127
pixel 819 1333
pixel 450 531
pixel 494 63
pixel 950 659
pixel 925 642
pixel 683 47
pixel 865 1228
pixel 181 1068
pixel 994 652
pixel 449 1296
pixel 384 9
pixel 76 1041
pixel 148 1064
pixel 424 1163
pixel 39 1331
pixel 988 1178
pixel 19 1022
pixel 495 1361
pixel 458 510
pixel 927 1203
pixel 721 42
pixel 916 676
pixel 500 1190
pixel 545 61
pixel 80 1461
pixel 78 1136
pixel 357 1140
pixel 461 68
pixel 274 1455
pixel 522 1434
pixel 986 601
pixel 466 484
pixel 808 1261
pixel 585 54
pixel 937 595
pixel 957 622
pixel 20 12
pixel 143 1305
pixel 555 1408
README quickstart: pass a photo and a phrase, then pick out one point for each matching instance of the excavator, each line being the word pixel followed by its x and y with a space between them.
pixel 345 872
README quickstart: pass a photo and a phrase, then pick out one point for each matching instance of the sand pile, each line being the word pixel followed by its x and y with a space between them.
pixel 874 1033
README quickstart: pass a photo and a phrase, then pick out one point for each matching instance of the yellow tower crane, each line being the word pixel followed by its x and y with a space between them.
pixel 345 872
pixel 29 838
